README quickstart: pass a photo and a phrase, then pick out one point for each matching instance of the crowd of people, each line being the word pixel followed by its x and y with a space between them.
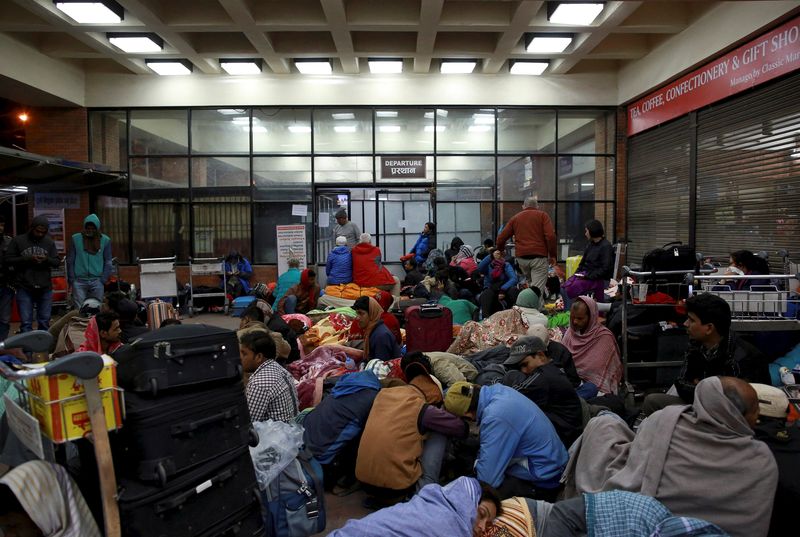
pixel 519 428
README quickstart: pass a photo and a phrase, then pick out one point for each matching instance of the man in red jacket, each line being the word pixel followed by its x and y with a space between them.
pixel 534 241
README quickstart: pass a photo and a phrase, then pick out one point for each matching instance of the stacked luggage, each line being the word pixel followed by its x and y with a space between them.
pixel 183 461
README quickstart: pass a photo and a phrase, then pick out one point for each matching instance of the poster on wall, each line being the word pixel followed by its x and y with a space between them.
pixel 291 244
pixel 56 219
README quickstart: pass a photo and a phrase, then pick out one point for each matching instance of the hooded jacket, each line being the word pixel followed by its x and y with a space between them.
pixel 82 264
pixel 368 270
pixel 421 248
pixel 339 267
pixel 31 275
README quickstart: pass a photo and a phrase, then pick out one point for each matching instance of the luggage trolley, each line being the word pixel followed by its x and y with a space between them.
pixel 157 277
pixel 208 266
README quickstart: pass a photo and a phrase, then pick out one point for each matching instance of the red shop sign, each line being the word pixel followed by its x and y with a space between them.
pixel 762 59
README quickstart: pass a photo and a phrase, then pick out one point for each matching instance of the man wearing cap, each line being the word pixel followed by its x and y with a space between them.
pixel 345 228
pixel 784 442
pixel 535 376
pixel 520 453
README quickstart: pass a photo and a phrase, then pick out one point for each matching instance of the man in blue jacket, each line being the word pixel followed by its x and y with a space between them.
pixel 339 267
pixel 520 453
pixel 88 262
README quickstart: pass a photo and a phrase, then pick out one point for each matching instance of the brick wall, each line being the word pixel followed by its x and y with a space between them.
pixel 261 273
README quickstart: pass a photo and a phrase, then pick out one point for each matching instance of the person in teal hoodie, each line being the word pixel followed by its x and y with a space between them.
pixel 88 262
pixel 288 279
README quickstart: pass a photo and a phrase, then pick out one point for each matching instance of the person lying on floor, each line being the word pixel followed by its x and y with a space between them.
pixel 520 453
pixel 699 460
pixel 602 514
pixel 463 508
pixel 405 437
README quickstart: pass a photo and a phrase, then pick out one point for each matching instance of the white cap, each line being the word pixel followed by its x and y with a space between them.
pixel 772 401
pixel 341 240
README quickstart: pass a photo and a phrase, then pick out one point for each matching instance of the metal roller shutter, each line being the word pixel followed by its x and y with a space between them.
pixel 748 172
pixel 658 188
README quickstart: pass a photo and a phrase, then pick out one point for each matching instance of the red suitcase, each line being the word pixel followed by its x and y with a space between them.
pixel 429 327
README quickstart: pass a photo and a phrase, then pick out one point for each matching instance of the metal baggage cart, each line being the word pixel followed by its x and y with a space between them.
pixel 157 277
pixel 208 266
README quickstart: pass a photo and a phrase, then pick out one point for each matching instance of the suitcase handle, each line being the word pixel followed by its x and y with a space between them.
pixel 164 350
pixel 192 426
pixel 179 499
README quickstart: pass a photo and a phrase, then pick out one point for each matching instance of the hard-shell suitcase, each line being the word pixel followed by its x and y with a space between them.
pixel 671 257
pixel 178 355
pixel 194 503
pixel 174 432
pixel 158 312
pixel 429 327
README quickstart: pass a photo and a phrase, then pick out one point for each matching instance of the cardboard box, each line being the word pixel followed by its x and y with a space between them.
pixel 57 402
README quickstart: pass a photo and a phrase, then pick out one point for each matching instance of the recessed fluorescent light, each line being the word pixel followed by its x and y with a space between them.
pixel 457 67
pixel 385 67
pixel 483 119
pixel 243 120
pixel 170 67
pixel 439 128
pixel 299 129
pixel 548 43
pixel 575 14
pixel 241 67
pixel 344 128
pixel 314 67
pixel 134 43
pixel 389 128
pixel 256 128
pixel 230 111
pixel 587 185
pixel 105 12
pixel 527 68
pixel 439 112
pixel 386 113
pixel 479 128
pixel 340 116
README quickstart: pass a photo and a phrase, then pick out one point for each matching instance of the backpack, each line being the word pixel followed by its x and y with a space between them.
pixel 432 255
pixel 295 500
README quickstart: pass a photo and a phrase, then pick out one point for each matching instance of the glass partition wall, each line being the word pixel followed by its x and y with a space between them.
pixel 206 181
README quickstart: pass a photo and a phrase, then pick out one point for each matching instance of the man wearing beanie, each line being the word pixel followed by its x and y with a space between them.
pixel 339 267
pixel 520 453
pixel 345 228
pixel 784 442
pixel 33 255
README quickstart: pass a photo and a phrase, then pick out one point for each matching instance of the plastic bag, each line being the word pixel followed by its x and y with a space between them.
pixel 278 445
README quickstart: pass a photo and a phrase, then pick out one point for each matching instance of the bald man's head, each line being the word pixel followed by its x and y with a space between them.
pixel 743 396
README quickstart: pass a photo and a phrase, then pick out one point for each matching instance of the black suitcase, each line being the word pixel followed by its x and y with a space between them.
pixel 247 523
pixel 169 434
pixel 672 256
pixel 178 355
pixel 192 504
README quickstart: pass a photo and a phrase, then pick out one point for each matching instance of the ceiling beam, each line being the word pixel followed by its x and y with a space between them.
pixel 429 15
pixel 336 15
pixel 239 13
pixel 522 17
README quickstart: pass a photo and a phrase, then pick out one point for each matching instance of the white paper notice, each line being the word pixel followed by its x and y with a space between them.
pixel 299 210
pixel 402 223
pixel 24 426
pixel 324 219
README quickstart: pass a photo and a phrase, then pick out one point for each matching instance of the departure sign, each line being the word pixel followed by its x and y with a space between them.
pixel 403 167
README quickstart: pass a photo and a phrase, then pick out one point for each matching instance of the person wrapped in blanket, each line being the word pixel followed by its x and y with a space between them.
pixel 462 508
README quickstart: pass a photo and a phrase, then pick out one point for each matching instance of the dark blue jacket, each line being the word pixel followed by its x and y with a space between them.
pixel 339 267
pixel 421 248
pixel 340 418
pixel 508 279
pixel 382 343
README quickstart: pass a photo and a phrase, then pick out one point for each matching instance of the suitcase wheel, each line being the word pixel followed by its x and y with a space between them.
pixel 161 472
pixel 154 387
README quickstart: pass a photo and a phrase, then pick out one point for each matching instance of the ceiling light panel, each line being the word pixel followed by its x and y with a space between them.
pixel 575 14
pixel 106 12
pixel 170 67
pixel 136 43
pixel 483 119
pixel 386 113
pixel 548 44
pixel 314 67
pixel 528 68
pixel 344 129
pixel 241 67
pixel 299 129
pixel 389 128
pixel 457 67
pixel 385 67
pixel 342 116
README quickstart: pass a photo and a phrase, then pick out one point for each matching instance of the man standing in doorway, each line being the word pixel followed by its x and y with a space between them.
pixel 6 285
pixel 345 228
pixel 88 262
pixel 534 242
pixel 33 255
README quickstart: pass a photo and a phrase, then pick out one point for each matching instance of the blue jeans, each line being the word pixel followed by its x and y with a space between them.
pixel 290 304
pixel 6 299
pixel 83 288
pixel 586 390
pixel 433 451
pixel 26 300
